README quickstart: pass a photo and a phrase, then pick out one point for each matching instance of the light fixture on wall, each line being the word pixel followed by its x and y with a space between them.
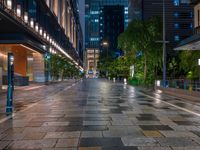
pixel 44 35
pixel 26 17
pixel 47 37
pixel 18 10
pixel 36 27
pixel 40 30
pixel 32 23
pixel 9 4
pixel 50 40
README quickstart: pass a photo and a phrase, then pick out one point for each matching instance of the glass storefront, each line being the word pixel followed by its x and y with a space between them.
pixel 23 62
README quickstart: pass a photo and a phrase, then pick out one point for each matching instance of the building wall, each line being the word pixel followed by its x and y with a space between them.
pixel 92 12
pixel 20 61
pixel 197 15
pixel 38 68
pixel 111 25
pixel 179 18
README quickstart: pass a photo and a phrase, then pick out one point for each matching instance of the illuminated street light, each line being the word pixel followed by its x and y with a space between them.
pixel 105 43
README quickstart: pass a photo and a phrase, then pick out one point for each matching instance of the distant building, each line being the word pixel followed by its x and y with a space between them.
pixel 92 16
pixel 30 29
pixel 111 26
pixel 179 18
pixel 135 10
pixel 193 42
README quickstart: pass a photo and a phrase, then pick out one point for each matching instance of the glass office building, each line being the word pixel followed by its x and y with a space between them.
pixel 92 16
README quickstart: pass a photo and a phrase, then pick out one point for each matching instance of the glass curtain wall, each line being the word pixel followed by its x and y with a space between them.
pixel 92 14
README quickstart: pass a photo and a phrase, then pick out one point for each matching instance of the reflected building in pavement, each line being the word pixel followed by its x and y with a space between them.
pixel 30 29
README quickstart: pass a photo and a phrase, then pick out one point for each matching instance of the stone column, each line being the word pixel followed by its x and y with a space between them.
pixel 1 71
pixel 38 68
pixel 1 76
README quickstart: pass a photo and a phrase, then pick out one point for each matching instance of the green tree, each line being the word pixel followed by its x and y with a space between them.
pixel 189 63
pixel 142 36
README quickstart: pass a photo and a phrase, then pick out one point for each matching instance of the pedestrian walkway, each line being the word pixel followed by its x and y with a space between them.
pixel 100 115
pixel 31 94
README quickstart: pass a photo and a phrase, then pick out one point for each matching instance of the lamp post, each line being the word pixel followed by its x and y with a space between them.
pixel 106 44
pixel 164 42
pixel 199 69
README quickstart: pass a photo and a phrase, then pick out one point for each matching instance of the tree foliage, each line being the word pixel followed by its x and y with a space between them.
pixel 189 63
pixel 61 68
pixel 143 37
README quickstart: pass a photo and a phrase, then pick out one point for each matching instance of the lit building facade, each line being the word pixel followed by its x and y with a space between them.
pixel 193 42
pixel 92 16
pixel 93 13
pixel 31 29
pixel 111 26
pixel 92 61
pixel 179 18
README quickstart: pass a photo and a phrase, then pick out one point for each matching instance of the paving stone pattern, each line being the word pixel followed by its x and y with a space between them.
pixel 97 114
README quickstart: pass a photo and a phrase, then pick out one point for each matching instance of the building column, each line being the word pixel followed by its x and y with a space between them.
pixel 1 78
pixel 38 68
pixel 1 71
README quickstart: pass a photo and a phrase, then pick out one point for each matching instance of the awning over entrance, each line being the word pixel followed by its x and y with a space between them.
pixel 191 43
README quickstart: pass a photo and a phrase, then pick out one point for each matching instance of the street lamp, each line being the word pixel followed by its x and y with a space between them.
pixel 106 44
pixel 164 47
pixel 164 43
pixel 199 69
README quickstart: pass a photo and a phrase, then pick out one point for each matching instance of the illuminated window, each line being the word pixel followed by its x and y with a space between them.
pixel 176 2
pixel 177 38
pixel 176 25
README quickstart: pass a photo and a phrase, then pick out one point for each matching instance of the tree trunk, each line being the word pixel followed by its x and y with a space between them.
pixel 145 68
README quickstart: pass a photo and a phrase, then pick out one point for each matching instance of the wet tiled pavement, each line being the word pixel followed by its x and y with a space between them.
pixel 101 115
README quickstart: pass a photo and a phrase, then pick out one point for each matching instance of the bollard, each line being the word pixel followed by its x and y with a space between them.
pixel 125 81
pixel 113 79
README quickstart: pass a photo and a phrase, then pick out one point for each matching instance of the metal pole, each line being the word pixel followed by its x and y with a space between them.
pixel 10 78
pixel 164 46
pixel 94 62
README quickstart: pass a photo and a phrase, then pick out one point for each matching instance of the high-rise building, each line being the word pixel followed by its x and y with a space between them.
pixel 193 42
pixel 30 29
pixel 111 26
pixel 178 17
pixel 93 13
pixel 92 16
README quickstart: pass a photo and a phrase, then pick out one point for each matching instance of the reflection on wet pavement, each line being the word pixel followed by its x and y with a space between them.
pixel 99 115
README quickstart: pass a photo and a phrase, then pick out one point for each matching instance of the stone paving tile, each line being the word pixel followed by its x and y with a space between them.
pixel 120 148
pixel 133 141
pixel 4 144
pixel 187 148
pixel 178 134
pixel 155 148
pixel 15 136
pixel 87 134
pixel 152 134
pixel 34 136
pixel 99 142
pixel 33 144
pixel 102 123
pixel 89 148
pixel 155 127
pixel 72 142
pixel 177 142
